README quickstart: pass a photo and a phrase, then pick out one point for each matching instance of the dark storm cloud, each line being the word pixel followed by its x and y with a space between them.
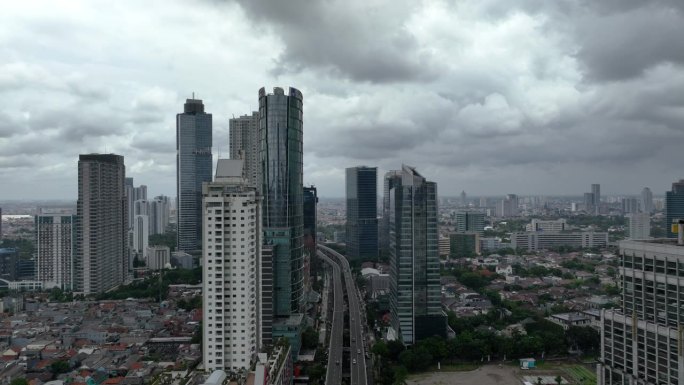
pixel 622 45
pixel 345 39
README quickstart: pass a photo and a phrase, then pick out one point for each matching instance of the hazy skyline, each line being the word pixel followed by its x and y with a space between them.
pixel 489 97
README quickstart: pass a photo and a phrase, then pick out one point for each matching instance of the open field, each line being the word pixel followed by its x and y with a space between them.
pixel 504 375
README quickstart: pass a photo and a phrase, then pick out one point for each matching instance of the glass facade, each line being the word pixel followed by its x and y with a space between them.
pixel 281 165
pixel 362 213
pixel 674 206
pixel 193 167
pixel 414 258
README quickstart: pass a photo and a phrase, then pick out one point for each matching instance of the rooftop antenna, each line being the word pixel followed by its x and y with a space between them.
pixel 193 94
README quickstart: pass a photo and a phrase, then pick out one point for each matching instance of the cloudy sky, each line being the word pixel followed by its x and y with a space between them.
pixel 486 96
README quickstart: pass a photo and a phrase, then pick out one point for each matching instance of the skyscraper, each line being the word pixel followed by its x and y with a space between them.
pixel 244 143
pixel 469 220
pixel 674 206
pixel 362 212
pixel 54 250
pixel 639 225
pixel 159 210
pixel 630 205
pixel 310 241
pixel 193 167
pixel 230 269
pixel 415 297
pixel 589 203
pixel 391 179
pixel 646 200
pixel 310 218
pixel 281 164
pixel 596 191
pixel 101 260
pixel 508 207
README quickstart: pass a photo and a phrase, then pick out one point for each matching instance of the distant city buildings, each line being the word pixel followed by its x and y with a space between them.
pixel 674 206
pixel 547 225
pixel 647 200
pixel 508 207
pixel 470 221
pixel 464 245
pixel 55 240
pixel 244 144
pixel 639 225
pixel 630 205
pixel 8 263
pixel 100 261
pixel 533 241
pixel 193 167
pixel 158 257
pixel 230 269
pixel 596 195
pixel 415 299
pixel 362 213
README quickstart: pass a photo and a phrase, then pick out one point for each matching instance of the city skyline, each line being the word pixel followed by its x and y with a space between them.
pixel 483 118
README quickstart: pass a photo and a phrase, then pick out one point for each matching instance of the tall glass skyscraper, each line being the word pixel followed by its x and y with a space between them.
pixel 415 292
pixel 362 212
pixel 674 206
pixel 281 164
pixel 193 167
pixel 390 180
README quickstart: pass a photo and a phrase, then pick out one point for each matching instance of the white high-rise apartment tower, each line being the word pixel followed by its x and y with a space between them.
pixel 231 227
pixel 639 226
pixel 54 250
pixel 244 144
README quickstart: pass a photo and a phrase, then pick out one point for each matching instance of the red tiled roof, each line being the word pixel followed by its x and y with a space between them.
pixel 112 381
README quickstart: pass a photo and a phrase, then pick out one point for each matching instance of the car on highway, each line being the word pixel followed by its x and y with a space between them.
pixel 354 361
pixel 337 362
pixel 358 351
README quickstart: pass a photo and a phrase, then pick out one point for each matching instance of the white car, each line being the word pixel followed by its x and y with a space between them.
pixel 354 361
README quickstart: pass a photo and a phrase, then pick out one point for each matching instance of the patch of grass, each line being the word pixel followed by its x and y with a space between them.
pixel 580 374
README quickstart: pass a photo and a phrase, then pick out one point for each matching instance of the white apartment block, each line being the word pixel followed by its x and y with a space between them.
pixel 158 257
pixel 641 342
pixel 244 144
pixel 231 228
pixel 639 225
pixel 533 241
pixel 141 235
pixel 54 250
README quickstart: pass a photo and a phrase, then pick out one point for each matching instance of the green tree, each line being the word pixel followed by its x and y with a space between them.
pixel 558 379
pixel 584 337
pixel 395 348
pixel 400 376
pixel 59 367
pixel 380 349
pixel 19 381
pixel 316 373
pixel 309 338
